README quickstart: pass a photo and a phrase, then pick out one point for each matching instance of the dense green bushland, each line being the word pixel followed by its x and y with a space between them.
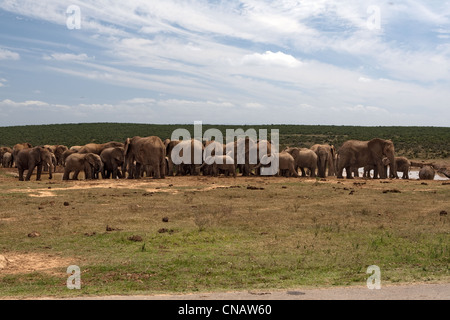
pixel 414 142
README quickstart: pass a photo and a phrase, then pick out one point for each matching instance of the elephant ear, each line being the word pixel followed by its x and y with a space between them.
pixel 376 148
pixel 90 159
pixel 119 154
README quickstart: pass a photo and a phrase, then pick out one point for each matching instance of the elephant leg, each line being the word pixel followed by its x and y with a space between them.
pixel 21 174
pixel 348 171
pixel 137 171
pixel 75 174
pixel 66 174
pixel 303 172
pixel 380 171
pixel 39 172
pixel 29 173
pixel 156 171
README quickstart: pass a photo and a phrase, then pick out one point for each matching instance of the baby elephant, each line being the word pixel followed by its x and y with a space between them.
pixel 90 163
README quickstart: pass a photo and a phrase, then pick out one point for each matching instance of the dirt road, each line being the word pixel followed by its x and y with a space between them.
pixel 388 292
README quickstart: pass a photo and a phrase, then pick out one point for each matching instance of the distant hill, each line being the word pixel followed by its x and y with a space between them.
pixel 413 142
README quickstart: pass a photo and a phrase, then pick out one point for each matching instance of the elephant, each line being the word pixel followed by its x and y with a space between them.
pixel 58 150
pixel 402 164
pixel 169 147
pixel 18 147
pixel 427 173
pixel 145 151
pixel 75 148
pixel 186 164
pixel 30 158
pixel 113 160
pixel 66 154
pixel 368 168
pixel 356 154
pixel 90 163
pixel 4 150
pixel 7 160
pixel 98 148
pixel 212 148
pixel 45 166
pixel 326 155
pixel 304 158
pixel 220 163
pixel 286 163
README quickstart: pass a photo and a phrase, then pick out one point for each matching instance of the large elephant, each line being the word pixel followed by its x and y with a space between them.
pixel 304 159
pixel 427 173
pixel 113 160
pixel 326 155
pixel 30 158
pixel 357 154
pixel 89 163
pixel 7 160
pixel 186 163
pixel 147 151
pixel 18 147
pixel 98 148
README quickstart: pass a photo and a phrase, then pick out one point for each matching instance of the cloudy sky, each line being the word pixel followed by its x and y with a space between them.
pixel 225 62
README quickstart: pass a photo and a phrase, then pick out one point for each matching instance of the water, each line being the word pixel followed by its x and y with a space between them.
pixel 413 175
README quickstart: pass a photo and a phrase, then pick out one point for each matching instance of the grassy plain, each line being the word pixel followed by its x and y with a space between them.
pixel 218 234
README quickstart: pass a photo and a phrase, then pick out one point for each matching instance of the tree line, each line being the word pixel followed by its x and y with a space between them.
pixel 412 142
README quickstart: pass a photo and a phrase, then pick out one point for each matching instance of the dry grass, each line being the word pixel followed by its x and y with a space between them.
pixel 218 234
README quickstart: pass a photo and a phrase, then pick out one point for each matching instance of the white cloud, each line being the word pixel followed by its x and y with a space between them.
pixel 8 55
pixel 67 57
pixel 270 58
pixel 303 57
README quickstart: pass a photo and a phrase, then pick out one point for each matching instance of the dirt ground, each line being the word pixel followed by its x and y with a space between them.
pixel 392 292
pixel 14 263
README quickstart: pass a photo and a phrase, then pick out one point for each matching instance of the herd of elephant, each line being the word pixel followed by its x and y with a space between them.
pixel 152 157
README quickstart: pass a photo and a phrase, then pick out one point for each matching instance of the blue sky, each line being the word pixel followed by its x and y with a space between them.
pixel 226 62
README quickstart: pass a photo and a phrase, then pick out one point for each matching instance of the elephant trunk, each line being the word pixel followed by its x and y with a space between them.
pixel 50 170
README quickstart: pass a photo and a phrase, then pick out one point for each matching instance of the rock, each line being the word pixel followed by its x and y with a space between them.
pixel 165 219
pixel 108 228
pixel 135 238
pixel 66 204
pixel 392 191
pixel 164 230
pixel 34 234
